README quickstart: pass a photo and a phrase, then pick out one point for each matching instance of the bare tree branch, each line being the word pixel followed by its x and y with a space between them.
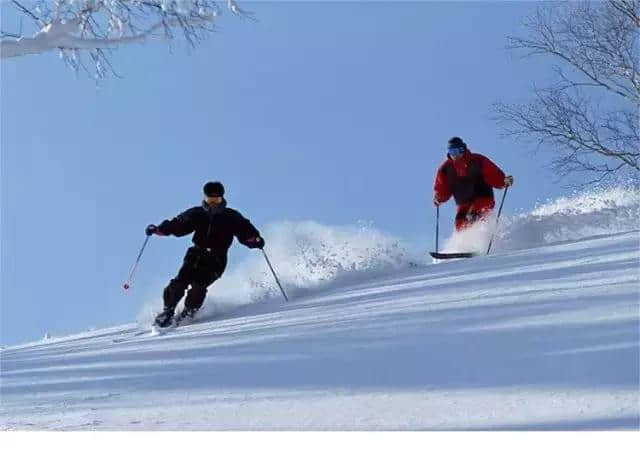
pixel 628 8
pixel 4 34
pixel 589 118
pixel 597 41
pixel 27 12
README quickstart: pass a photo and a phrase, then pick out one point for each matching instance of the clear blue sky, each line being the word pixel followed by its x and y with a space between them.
pixel 335 112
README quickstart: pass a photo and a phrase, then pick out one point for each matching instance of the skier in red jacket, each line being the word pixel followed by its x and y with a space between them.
pixel 470 178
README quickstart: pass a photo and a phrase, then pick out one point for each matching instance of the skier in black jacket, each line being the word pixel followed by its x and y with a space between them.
pixel 214 225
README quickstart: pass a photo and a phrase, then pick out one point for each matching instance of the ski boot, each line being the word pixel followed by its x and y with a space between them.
pixel 164 319
pixel 186 316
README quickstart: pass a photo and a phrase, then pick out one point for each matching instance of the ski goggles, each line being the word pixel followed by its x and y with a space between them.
pixel 456 152
pixel 215 199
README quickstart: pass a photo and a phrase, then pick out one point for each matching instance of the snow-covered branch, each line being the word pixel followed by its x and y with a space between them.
pixel 92 28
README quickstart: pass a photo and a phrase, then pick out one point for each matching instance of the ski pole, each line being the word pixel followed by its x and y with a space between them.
pixel 274 275
pixel 504 195
pixel 437 225
pixel 135 265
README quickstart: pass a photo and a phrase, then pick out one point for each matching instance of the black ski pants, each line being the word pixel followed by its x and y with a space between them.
pixel 199 270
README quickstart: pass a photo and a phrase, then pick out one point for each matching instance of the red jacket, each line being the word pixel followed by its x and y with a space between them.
pixel 471 177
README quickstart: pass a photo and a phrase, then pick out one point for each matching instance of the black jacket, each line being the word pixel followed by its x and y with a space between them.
pixel 213 228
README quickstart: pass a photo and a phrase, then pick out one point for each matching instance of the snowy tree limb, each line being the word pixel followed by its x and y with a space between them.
pixel 90 29
pixel 65 35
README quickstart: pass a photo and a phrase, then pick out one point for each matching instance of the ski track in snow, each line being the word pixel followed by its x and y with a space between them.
pixel 544 338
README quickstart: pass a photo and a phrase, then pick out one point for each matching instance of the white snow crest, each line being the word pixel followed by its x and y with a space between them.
pixel 598 211
pixel 592 212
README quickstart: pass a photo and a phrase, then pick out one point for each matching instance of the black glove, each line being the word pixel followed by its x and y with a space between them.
pixel 255 243
pixel 151 229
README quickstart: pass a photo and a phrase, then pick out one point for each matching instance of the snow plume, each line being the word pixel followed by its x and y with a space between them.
pixel 306 256
pixel 473 239
pixel 596 211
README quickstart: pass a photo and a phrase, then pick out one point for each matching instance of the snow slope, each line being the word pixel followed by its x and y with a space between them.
pixel 542 335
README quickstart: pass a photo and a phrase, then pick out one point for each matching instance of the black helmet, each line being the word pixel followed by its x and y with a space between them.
pixel 214 189
pixel 456 142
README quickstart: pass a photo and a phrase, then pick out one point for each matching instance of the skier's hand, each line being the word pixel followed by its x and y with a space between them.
pixel 436 202
pixel 508 181
pixel 255 243
pixel 151 229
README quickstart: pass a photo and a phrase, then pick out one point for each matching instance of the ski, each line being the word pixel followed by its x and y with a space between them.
pixel 446 256
pixel 155 330
pixel 151 331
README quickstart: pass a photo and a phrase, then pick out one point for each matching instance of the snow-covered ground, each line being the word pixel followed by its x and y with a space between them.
pixel 542 335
